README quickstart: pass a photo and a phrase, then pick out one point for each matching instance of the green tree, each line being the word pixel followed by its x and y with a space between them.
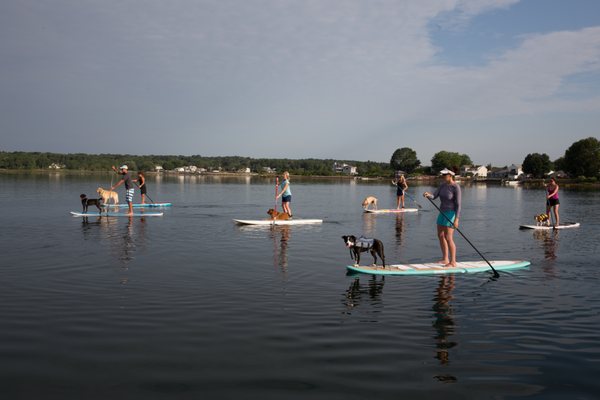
pixel 537 164
pixel 447 159
pixel 405 159
pixel 583 158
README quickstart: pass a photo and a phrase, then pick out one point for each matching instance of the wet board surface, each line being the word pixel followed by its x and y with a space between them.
pixel 436 269
pixel 549 228
pixel 277 222
pixel 147 205
pixel 116 214
pixel 392 210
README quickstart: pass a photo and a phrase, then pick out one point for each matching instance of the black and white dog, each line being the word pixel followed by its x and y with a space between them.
pixel 85 202
pixel 362 244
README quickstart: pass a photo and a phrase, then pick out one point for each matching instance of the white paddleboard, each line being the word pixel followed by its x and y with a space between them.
pixel 436 269
pixel 392 210
pixel 549 228
pixel 278 222
pixel 116 214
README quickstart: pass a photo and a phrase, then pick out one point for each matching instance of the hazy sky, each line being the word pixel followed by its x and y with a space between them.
pixel 495 79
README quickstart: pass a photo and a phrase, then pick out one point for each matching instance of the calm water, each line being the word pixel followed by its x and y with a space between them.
pixel 191 306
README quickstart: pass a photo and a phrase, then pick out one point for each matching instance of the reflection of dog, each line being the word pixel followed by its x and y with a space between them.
pixel 277 215
pixel 369 200
pixel 542 219
pixel 107 195
pixel 360 245
pixel 85 202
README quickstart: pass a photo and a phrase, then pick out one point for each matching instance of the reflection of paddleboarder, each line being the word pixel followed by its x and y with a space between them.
pixel 444 321
pixel 552 201
pixel 286 194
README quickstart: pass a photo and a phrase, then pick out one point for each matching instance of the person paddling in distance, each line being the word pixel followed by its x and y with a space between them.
pixel 141 182
pixel 401 187
pixel 450 196
pixel 285 193
pixel 126 179
pixel 552 201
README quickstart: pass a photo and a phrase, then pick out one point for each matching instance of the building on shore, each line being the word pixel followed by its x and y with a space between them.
pixel 345 169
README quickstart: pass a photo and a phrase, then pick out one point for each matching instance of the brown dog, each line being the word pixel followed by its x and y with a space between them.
pixel 108 195
pixel 277 215
pixel 368 201
pixel 542 219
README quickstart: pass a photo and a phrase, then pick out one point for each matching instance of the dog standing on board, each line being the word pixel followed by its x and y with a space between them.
pixel 369 201
pixel 85 202
pixel 542 219
pixel 362 244
pixel 107 195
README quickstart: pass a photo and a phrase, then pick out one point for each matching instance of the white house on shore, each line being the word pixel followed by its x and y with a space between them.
pixel 56 166
pixel 158 168
pixel 345 169
pixel 512 172
pixel 477 172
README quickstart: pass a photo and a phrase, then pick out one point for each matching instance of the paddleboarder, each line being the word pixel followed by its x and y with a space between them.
pixel 552 201
pixel 285 193
pixel 141 182
pixel 450 198
pixel 401 187
pixel 126 179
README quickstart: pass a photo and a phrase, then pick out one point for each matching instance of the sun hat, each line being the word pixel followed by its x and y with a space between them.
pixel 123 166
pixel 446 171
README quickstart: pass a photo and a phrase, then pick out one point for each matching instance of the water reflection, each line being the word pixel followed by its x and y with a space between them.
pixel 281 237
pixel 399 228
pixel 369 224
pixel 357 292
pixel 549 241
pixel 443 323
pixel 123 240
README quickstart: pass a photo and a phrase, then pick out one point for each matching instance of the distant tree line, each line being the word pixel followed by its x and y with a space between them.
pixel 103 162
pixel 581 159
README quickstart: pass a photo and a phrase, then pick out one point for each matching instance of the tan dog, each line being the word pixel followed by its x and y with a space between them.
pixel 107 195
pixel 369 200
pixel 277 215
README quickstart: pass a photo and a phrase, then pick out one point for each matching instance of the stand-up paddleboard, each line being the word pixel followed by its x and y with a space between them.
pixel 277 222
pixel 435 268
pixel 550 228
pixel 392 210
pixel 116 214
pixel 139 205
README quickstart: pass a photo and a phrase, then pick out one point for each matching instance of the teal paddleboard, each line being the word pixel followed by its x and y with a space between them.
pixel 136 205
pixel 466 267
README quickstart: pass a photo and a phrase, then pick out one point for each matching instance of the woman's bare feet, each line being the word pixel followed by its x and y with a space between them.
pixel 443 262
pixel 450 264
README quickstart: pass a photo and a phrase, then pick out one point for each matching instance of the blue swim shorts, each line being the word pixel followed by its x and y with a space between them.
pixel 286 199
pixel 441 221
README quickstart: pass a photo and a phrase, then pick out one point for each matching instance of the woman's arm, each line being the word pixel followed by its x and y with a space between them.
pixel 457 201
pixel 283 189
pixel 553 192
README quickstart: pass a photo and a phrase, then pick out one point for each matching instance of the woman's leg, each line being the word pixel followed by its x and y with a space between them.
pixel 397 202
pixel 402 197
pixel 443 245
pixel 143 198
pixel 556 216
pixel 449 234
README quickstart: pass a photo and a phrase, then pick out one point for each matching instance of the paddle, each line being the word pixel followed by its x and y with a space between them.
pixel 413 199
pixel 496 275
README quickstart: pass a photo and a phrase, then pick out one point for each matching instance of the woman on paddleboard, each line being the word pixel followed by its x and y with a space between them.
pixel 552 202
pixel 447 221
pixel 401 187
pixel 285 193
pixel 141 182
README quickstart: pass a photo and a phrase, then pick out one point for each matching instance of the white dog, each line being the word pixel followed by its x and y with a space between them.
pixel 368 201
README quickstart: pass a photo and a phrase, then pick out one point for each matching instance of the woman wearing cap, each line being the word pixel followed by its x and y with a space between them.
pixel 450 197
pixel 126 179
